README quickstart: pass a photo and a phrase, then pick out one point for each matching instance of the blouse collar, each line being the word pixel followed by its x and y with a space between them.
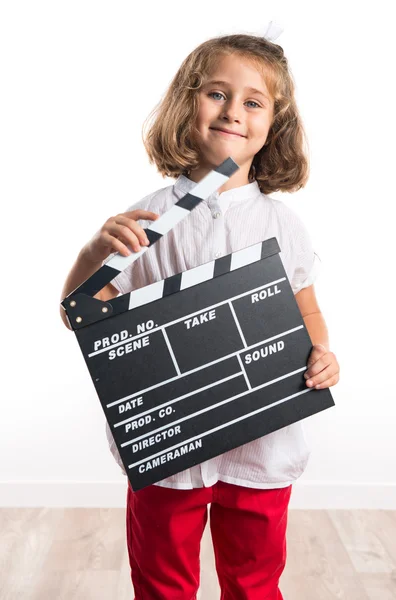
pixel 183 185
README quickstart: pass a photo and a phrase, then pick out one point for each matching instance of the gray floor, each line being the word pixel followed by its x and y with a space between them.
pixel 65 554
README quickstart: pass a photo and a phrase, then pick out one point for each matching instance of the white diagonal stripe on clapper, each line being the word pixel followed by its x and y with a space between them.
pixel 169 220
pixel 120 262
pixel 146 294
pixel 209 184
pixel 246 256
pixel 197 275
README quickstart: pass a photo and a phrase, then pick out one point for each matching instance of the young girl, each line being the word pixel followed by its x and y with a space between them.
pixel 232 96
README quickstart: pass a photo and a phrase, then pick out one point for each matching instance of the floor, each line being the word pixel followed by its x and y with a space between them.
pixel 67 554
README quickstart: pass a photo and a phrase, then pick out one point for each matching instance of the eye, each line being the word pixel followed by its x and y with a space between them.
pixel 220 94
pixel 253 102
pixel 215 93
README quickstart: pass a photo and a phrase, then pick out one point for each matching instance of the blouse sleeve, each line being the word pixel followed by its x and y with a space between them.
pixel 306 261
pixel 305 276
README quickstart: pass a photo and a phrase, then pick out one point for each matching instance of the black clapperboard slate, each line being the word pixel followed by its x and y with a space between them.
pixel 200 363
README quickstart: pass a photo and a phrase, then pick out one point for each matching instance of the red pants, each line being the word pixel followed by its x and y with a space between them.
pixel 164 527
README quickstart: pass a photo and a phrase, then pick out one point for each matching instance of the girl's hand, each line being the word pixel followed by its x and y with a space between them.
pixel 323 368
pixel 118 233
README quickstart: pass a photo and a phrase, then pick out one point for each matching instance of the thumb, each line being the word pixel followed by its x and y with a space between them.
pixel 317 351
pixel 320 346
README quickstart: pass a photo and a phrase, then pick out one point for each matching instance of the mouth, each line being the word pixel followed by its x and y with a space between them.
pixel 227 133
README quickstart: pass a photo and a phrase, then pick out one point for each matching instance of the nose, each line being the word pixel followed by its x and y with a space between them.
pixel 231 111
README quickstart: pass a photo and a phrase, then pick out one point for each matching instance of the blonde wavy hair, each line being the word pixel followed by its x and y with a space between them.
pixel 280 165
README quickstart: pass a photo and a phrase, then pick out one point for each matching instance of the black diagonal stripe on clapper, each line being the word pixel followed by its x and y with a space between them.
pixel 172 284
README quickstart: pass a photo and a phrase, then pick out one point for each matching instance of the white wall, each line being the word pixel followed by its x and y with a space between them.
pixel 78 80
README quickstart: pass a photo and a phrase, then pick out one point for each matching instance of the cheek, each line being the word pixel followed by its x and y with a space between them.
pixel 261 127
pixel 200 119
pixel 206 109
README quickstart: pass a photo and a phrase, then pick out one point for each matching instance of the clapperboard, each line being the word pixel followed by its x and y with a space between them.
pixel 200 363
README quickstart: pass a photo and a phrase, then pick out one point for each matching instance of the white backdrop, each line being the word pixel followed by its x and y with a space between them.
pixel 78 79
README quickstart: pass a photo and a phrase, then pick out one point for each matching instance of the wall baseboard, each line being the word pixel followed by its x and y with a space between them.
pixel 111 494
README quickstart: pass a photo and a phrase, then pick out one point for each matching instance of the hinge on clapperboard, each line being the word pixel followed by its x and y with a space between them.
pixel 82 308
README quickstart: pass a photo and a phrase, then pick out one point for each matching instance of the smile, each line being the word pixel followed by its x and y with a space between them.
pixel 230 135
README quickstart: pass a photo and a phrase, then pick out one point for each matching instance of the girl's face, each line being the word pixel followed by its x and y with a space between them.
pixel 234 97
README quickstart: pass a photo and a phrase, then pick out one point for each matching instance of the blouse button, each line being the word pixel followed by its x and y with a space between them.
pixel 216 215
pixel 217 254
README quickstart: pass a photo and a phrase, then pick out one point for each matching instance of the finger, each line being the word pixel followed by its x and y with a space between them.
pixel 316 352
pixel 135 227
pixel 316 367
pixel 322 376
pixel 147 215
pixel 116 245
pixel 328 382
pixel 123 233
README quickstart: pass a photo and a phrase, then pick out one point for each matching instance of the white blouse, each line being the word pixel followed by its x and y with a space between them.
pixel 219 225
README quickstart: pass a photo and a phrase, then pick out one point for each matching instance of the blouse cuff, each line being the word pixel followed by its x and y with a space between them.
pixel 312 275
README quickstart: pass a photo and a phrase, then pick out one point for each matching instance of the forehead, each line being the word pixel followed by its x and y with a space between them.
pixel 238 72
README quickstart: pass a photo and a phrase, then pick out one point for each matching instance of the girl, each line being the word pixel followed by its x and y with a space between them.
pixel 232 96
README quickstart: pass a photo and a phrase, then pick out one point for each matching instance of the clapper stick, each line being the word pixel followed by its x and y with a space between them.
pixel 116 263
